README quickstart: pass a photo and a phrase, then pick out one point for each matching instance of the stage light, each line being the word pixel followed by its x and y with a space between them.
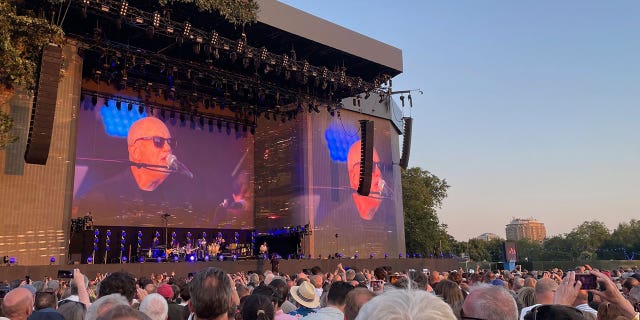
pixel 206 258
pixel 124 259
pixel 355 256
pixel 371 255
pixel 399 255
pixel 192 258
pixel 214 39
pixel 159 259
pixel 386 255
pixel 221 258
pixel 52 260
pixel 156 19
pixel 187 29
pixel 124 6
pixel 175 258
pixel 90 260
pixel 235 257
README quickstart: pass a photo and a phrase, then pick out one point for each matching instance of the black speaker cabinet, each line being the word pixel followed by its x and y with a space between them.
pixel 366 157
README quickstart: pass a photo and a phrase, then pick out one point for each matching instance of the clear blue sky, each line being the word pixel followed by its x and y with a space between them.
pixel 530 108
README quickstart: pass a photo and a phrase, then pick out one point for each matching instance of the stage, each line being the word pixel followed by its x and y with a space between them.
pixel 260 265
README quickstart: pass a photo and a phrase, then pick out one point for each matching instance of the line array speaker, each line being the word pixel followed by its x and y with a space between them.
pixel 44 106
pixel 406 142
pixel 366 157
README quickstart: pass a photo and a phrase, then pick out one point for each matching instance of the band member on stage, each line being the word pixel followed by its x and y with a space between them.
pixel 150 144
pixel 366 205
pixel 263 248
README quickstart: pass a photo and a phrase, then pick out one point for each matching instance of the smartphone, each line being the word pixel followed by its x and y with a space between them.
pixel 65 274
pixel 589 281
pixel 377 285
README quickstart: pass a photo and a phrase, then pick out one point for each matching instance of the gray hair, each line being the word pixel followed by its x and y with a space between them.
pixel 104 304
pixel 490 302
pixel 406 305
pixel 155 306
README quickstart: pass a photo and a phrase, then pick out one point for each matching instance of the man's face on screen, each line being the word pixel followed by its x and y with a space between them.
pixel 150 143
pixel 353 163
pixel 366 205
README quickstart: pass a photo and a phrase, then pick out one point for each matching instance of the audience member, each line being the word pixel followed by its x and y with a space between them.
pixel 155 306
pixel 105 303
pixel 211 294
pixel 18 304
pixel 405 305
pixel 490 303
pixel 356 298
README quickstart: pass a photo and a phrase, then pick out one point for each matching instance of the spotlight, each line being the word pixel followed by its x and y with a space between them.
pixel 235 257
pixel 206 258
pixel 90 260
pixel 124 6
pixel 355 256
pixel 402 100
pixel 52 260
pixel 159 259
pixel 371 255
pixel 399 255
pixel 156 19
pixel 214 39
pixel 141 259
pixel 192 258
pixel 175 258
pixel 221 258
pixel 386 255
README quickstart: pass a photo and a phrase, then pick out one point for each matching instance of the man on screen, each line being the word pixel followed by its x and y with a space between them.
pixel 366 205
pixel 149 143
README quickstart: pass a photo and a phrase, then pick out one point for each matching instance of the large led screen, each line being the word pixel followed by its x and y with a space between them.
pixel 138 168
pixel 346 222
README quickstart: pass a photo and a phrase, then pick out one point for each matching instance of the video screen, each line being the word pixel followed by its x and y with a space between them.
pixel 139 167
pixel 346 221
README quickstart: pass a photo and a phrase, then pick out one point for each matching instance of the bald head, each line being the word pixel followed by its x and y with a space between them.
pixel 18 304
pixel 545 290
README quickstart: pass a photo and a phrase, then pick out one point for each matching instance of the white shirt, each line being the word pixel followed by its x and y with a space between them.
pixel 526 310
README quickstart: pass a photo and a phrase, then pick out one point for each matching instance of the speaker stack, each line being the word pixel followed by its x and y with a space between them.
pixel 44 106
pixel 406 143
pixel 366 157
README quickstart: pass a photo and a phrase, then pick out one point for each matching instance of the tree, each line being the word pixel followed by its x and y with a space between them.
pixel 586 238
pixel 6 124
pixel 422 194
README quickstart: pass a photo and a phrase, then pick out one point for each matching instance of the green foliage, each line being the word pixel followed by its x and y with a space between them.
pixel 586 238
pixel 422 194
pixel 22 37
pixel 6 124
pixel 238 12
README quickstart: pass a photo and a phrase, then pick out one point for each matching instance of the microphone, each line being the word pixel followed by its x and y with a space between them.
pixel 175 165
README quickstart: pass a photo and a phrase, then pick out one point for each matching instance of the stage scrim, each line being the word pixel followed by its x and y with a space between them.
pixel 207 184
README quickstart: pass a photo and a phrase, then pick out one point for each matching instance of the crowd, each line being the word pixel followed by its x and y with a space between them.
pixel 343 294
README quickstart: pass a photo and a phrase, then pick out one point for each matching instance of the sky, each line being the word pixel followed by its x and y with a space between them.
pixel 531 109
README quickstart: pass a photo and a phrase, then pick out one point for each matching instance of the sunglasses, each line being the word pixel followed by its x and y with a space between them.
pixel 158 142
